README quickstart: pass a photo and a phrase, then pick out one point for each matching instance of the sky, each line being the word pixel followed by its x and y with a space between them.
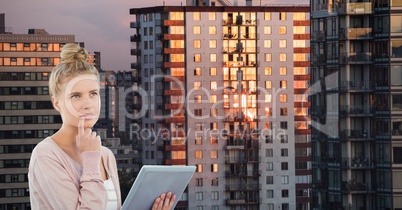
pixel 103 25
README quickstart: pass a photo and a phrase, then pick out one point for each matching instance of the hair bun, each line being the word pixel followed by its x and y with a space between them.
pixel 72 52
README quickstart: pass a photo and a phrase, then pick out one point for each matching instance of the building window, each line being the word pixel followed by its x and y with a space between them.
pixel 198 154
pixel 198 112
pixel 282 84
pixel 283 98
pixel 212 29
pixel 268 111
pixel 267 43
pixel 282 43
pixel 284 152
pixel 197 57
pixel 268 57
pixel 199 208
pixel 198 99
pixel 268 98
pixel 213 99
pixel 197 72
pixel 267 29
pixel 284 166
pixel 213 140
pixel 198 182
pixel 284 125
pixel 282 16
pixel 285 193
pixel 197 85
pixel 270 166
pixel 268 71
pixel 197 43
pixel 214 195
pixel 212 43
pixel 199 196
pixel 197 16
pixel 284 111
pixel 268 84
pixel 214 168
pixel 397 155
pixel 214 181
pixel 270 194
pixel 212 57
pixel 198 140
pixel 282 30
pixel 199 126
pixel 212 15
pixel 197 30
pixel 267 16
pixel 212 71
pixel 214 126
pixel 283 138
pixel 285 206
pixel 270 179
pixel 282 57
pixel 282 70
pixel 214 154
pixel 214 85
pixel 199 168
pixel 269 153
pixel 285 179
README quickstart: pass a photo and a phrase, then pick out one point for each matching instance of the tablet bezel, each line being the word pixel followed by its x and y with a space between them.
pixel 153 180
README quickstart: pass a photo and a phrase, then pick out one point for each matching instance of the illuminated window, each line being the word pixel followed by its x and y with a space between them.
pixel 282 84
pixel 268 71
pixel 267 43
pixel 299 43
pixel 299 29
pixel 268 111
pixel 282 16
pixel 197 29
pixel 197 16
pixel 268 57
pixel 268 84
pixel 299 16
pixel 282 43
pixel 267 16
pixel 300 84
pixel 214 85
pixel 197 43
pixel 197 85
pixel 212 29
pixel 212 15
pixel 213 140
pixel 213 98
pixel 268 98
pixel 197 57
pixel 213 126
pixel 267 29
pixel 198 140
pixel 197 72
pixel 199 126
pixel 198 98
pixel 300 125
pixel 282 30
pixel 214 181
pixel 178 155
pixel 268 125
pixel 299 111
pixel 299 70
pixel 299 57
pixel 214 154
pixel 214 168
pixel 282 57
pixel 283 98
pixel 282 71
pixel 212 43
pixel 284 111
pixel 198 154
pixel 214 112
pixel 212 57
pixel 212 71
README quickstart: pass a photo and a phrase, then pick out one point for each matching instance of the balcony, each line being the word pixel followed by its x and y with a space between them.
pixel 136 65
pixel 318 36
pixel 135 24
pixel 355 135
pixel 135 38
pixel 356 85
pixel 356 8
pixel 356 58
pixel 177 79
pixel 347 110
pixel 174 92
pixel 354 187
pixel 135 52
pixel 356 33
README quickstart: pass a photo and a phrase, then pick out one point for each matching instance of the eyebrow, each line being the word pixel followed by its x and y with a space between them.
pixel 79 93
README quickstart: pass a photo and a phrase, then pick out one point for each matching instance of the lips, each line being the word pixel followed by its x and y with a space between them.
pixel 88 116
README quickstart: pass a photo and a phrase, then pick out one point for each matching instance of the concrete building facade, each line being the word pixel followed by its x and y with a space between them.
pixel 224 88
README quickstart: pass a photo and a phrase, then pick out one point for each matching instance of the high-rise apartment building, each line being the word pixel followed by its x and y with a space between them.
pixel 224 88
pixel 26 113
pixel 356 104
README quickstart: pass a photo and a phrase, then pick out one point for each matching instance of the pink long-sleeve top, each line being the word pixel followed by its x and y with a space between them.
pixel 56 181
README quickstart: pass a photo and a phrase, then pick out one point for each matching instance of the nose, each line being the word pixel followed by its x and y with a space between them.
pixel 87 103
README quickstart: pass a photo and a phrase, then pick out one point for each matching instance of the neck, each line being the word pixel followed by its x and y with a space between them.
pixel 66 136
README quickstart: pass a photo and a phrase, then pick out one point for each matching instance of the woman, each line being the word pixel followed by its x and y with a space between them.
pixel 70 169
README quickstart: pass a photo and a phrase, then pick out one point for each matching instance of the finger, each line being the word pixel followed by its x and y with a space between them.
pixel 162 201
pixel 93 135
pixel 167 199
pixel 155 206
pixel 172 201
pixel 81 129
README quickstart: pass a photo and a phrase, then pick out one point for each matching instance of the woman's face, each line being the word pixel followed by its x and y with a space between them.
pixel 79 98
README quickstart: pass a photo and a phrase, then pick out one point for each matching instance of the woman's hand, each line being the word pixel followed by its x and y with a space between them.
pixel 164 202
pixel 87 140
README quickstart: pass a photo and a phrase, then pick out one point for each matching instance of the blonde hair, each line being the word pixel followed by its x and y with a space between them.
pixel 73 62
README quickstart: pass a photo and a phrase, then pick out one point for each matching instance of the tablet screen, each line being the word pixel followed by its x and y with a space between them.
pixel 153 180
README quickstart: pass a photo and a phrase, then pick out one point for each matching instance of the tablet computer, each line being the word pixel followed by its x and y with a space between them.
pixel 154 180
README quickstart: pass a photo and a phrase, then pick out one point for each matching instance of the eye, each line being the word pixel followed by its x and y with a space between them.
pixel 94 94
pixel 75 96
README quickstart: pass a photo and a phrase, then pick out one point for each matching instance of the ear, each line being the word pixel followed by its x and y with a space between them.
pixel 55 103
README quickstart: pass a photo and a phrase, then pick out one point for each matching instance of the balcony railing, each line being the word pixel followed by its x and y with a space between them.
pixel 355 110
pixel 356 8
pixel 358 85
pixel 355 57
pixel 355 33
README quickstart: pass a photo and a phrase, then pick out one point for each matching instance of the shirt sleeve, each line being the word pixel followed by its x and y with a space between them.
pixel 58 190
